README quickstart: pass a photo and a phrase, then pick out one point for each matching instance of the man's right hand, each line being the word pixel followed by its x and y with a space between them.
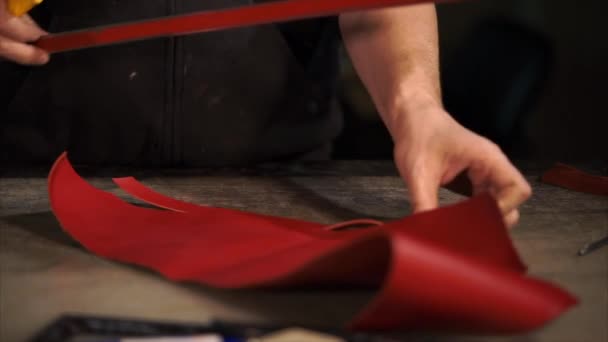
pixel 15 33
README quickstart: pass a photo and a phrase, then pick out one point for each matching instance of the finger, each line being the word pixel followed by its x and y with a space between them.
pixel 512 218
pixel 22 29
pixel 22 53
pixel 4 14
pixel 499 177
pixel 28 19
pixel 481 189
pixel 510 187
pixel 423 184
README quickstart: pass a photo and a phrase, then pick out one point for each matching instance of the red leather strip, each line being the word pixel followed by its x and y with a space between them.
pixel 272 12
pixel 571 178
pixel 131 186
pixel 453 269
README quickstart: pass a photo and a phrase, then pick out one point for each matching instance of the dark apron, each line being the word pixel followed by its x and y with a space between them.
pixel 224 98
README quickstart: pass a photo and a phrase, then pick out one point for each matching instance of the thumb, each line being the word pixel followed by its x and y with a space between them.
pixel 423 188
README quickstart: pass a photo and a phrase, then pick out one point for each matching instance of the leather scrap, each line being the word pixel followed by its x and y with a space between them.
pixel 571 178
pixel 453 269
pixel 207 21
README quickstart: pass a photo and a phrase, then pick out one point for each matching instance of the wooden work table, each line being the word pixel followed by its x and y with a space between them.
pixel 44 274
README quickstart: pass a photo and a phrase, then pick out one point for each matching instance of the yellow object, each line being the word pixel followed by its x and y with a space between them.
pixel 21 7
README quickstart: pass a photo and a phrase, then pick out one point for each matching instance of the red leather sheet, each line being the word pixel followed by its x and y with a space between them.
pixel 272 12
pixel 453 269
pixel 574 179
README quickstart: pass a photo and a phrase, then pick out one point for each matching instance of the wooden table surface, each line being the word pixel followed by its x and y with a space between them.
pixel 44 274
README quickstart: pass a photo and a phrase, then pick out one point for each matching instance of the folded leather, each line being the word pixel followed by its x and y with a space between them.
pixel 453 269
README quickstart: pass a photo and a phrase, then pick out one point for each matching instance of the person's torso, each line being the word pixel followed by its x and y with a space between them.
pixel 220 98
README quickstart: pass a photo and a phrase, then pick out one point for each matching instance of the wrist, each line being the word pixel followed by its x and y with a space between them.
pixel 411 102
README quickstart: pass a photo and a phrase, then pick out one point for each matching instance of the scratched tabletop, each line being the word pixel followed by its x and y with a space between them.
pixel 45 274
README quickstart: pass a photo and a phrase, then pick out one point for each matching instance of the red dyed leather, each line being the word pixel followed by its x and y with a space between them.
pixel 453 269
pixel 266 13
pixel 571 178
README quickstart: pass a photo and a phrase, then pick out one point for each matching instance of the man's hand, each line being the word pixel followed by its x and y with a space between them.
pixel 431 149
pixel 15 33
pixel 395 52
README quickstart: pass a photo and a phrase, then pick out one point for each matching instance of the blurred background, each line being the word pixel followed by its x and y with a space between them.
pixel 530 75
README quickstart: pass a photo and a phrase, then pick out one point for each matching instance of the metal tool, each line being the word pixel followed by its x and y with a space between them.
pixel 593 246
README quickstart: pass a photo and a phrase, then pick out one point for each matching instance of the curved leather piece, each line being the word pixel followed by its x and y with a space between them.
pixel 453 269
pixel 574 179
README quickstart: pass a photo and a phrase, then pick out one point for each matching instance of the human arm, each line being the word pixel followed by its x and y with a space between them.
pixel 395 52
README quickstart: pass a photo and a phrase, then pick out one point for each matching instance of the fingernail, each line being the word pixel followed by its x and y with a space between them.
pixel 43 58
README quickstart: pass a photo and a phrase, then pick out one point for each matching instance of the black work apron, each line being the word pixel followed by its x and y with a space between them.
pixel 233 97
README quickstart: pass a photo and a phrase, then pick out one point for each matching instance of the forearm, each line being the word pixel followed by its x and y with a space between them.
pixel 395 52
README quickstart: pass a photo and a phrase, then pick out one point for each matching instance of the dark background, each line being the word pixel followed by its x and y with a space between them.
pixel 529 74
